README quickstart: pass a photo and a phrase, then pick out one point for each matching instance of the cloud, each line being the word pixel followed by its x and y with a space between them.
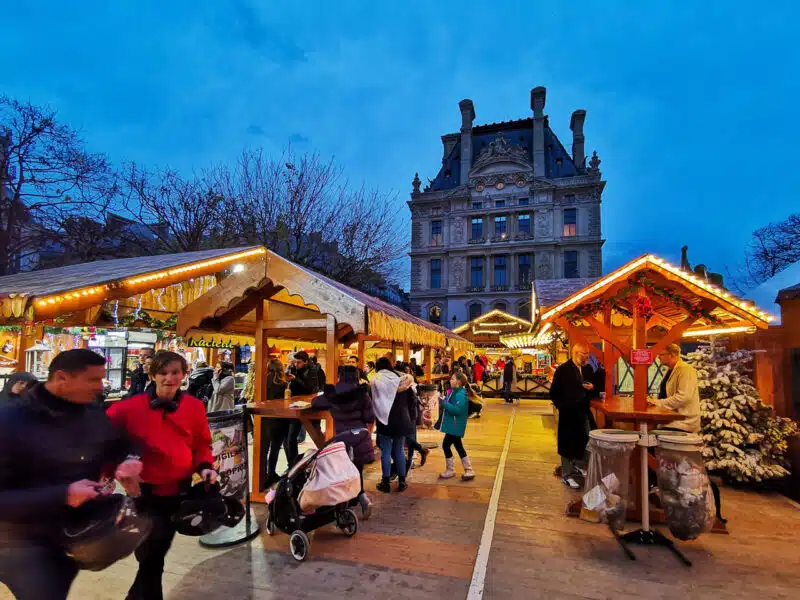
pixel 298 138
pixel 247 24
pixel 254 129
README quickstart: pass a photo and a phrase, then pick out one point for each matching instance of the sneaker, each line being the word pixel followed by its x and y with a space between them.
pixel 393 477
pixel 366 508
pixel 571 482
pixel 413 465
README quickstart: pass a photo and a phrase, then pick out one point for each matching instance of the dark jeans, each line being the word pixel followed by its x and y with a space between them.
pixel 292 439
pixel 450 441
pixel 413 445
pixel 274 436
pixel 36 572
pixel 392 448
pixel 507 391
pixel 151 554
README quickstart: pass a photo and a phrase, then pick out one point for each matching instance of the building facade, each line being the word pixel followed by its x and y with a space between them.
pixel 509 205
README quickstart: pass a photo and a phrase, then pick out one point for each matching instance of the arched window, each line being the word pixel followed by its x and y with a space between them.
pixel 475 311
pixel 500 306
pixel 435 315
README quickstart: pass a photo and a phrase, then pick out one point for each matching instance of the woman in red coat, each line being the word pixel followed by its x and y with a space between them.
pixel 171 432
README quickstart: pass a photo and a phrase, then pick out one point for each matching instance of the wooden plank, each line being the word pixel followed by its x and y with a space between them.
pixel 362 356
pixel 576 336
pixel 331 351
pixel 262 350
pixel 428 358
pixel 639 342
pixel 298 324
pixel 605 332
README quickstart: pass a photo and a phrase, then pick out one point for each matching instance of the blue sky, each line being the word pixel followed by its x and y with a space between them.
pixel 692 106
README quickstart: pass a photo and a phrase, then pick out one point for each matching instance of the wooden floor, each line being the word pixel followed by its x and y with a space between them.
pixel 423 544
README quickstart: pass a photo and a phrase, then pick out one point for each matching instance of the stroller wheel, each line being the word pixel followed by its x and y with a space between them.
pixel 299 545
pixel 348 522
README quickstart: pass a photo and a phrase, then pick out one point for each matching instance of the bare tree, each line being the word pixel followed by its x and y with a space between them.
pixel 771 249
pixel 46 178
pixel 301 207
pixel 184 214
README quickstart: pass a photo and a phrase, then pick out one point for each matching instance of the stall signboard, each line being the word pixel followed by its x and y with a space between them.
pixel 201 343
pixel 641 357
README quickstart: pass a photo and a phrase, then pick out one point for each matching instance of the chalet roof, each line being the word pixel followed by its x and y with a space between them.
pixel 790 293
pixel 553 291
pixel 101 272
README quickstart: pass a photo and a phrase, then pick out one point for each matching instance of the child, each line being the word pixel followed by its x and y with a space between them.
pixel 454 423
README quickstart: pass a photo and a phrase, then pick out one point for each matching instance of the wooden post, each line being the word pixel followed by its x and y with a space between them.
pixel 362 356
pixel 262 352
pixel 394 352
pixel 331 356
pixel 427 356
pixel 639 342
pixel 608 358
pixel 406 351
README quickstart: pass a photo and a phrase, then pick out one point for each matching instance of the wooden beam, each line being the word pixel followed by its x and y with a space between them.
pixel 362 355
pixel 331 353
pixel 605 332
pixel 639 342
pixel 608 357
pixel 406 351
pixel 427 356
pixel 262 352
pixel 299 324
pixel 576 336
pixel 673 335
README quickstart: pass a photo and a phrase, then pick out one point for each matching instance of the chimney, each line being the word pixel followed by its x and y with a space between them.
pixel 538 95
pixel 467 117
pixel 576 125
pixel 449 142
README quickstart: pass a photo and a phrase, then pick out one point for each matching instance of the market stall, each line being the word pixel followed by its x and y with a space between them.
pixel 627 319
pixel 276 301
pixel 114 307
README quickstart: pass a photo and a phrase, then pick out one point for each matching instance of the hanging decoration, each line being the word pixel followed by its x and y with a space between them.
pixel 115 314
pixel 643 307
pixel 635 283
pixel 8 347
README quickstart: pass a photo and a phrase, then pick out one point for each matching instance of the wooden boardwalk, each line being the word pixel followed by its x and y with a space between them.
pixel 423 544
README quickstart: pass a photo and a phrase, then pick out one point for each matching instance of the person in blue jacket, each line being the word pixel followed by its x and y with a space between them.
pixel 455 410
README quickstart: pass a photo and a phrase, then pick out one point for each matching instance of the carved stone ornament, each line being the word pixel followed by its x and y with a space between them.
pixel 544 223
pixel 416 183
pixel 501 179
pixel 500 150
pixel 543 268
pixel 458 272
pixel 458 229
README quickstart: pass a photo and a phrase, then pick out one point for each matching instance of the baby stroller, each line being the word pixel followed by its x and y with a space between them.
pixel 285 504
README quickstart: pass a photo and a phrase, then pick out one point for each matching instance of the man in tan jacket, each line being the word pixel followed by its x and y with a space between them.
pixel 682 395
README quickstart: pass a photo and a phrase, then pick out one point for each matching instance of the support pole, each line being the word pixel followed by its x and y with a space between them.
pixel 362 355
pixel 331 354
pixel 262 352
pixel 428 358
pixel 639 371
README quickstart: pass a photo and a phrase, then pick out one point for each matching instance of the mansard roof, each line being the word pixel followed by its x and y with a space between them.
pixel 558 162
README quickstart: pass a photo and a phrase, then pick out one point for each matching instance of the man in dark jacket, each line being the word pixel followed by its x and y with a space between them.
pixel 139 375
pixel 58 442
pixel 568 391
pixel 509 372
pixel 303 382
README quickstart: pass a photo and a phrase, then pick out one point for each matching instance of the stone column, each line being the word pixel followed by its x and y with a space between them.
pixel 467 117
pixel 538 95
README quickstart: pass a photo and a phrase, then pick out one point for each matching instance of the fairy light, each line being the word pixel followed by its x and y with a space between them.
pixel 719 331
pixel 486 331
pixel 659 265
pixel 158 299
pixel 496 312
pixel 138 307
pixel 195 266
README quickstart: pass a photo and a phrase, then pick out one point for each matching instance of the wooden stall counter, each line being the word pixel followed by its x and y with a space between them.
pixel 282 409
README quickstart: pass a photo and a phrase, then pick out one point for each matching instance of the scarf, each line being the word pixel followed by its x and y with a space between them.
pixel 385 385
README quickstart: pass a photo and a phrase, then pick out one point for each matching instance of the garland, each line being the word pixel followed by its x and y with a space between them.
pixel 142 317
pixel 636 283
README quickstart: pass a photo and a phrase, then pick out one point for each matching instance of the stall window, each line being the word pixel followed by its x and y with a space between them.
pixel 571 264
pixel 474 311
pixel 524 269
pixel 500 270
pixel 436 274
pixel 477 228
pixel 524 222
pixel 436 233
pixel 476 272
pixel 570 222
pixel 499 225
pixel 435 315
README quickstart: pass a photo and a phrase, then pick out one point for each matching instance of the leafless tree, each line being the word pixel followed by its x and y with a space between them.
pixel 47 177
pixel 772 248
pixel 302 207
pixel 184 214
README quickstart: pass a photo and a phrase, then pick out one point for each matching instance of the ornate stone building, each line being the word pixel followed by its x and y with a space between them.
pixel 509 205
